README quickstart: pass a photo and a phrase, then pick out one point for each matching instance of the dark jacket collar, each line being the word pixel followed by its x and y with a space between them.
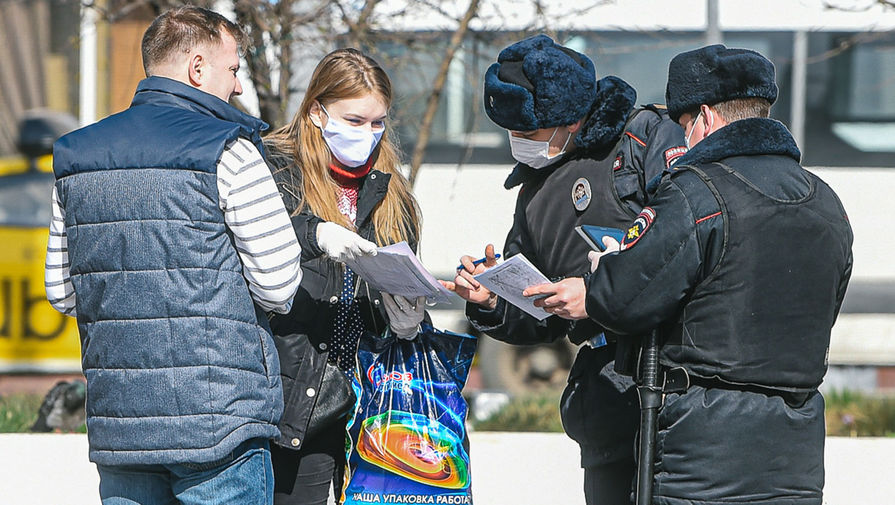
pixel 601 130
pixel 746 137
pixel 169 92
pixel 372 190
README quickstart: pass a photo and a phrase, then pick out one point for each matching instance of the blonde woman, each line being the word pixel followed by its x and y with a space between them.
pixel 337 169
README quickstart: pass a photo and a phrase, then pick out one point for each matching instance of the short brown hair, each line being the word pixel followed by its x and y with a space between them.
pixel 743 108
pixel 181 29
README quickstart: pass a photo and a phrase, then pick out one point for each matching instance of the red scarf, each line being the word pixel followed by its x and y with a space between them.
pixel 348 181
pixel 350 176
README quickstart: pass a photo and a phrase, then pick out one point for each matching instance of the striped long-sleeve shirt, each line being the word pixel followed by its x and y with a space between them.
pixel 254 213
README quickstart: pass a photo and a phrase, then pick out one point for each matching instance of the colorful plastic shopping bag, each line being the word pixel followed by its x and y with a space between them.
pixel 408 441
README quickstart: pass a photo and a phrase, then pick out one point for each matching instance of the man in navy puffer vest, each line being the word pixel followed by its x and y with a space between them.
pixel 168 243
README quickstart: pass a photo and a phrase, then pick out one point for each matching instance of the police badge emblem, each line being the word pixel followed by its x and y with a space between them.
pixel 581 194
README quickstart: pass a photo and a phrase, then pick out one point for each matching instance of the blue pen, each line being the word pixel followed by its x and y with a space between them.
pixel 478 261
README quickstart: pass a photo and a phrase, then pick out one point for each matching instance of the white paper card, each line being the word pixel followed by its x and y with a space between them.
pixel 510 278
pixel 397 271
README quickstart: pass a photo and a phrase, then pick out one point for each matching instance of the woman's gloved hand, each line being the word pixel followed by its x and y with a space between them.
pixel 342 244
pixel 404 316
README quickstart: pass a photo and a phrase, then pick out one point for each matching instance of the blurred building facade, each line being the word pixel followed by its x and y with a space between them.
pixel 41 67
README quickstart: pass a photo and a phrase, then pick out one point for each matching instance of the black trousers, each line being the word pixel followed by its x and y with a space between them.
pixel 305 477
pixel 609 484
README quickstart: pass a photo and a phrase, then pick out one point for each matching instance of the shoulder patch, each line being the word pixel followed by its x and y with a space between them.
pixel 640 226
pixel 673 154
pixel 619 161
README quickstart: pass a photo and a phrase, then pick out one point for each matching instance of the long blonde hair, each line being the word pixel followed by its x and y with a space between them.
pixel 345 74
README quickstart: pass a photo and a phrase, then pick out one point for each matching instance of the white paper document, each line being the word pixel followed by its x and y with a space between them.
pixel 510 278
pixel 397 271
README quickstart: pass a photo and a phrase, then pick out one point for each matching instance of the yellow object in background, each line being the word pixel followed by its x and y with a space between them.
pixel 34 337
pixel 19 164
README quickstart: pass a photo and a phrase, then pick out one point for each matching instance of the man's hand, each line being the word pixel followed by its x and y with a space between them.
pixel 564 298
pixel 342 244
pixel 467 287
pixel 612 247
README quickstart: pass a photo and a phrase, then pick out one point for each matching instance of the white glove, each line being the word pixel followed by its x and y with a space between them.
pixel 612 247
pixel 342 244
pixel 404 316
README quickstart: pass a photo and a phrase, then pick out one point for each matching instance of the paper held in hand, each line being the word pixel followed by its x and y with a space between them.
pixel 397 271
pixel 510 278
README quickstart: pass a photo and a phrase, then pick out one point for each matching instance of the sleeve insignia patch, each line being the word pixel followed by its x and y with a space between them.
pixel 619 162
pixel 673 154
pixel 638 228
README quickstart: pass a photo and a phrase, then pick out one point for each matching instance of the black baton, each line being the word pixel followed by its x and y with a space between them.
pixel 650 392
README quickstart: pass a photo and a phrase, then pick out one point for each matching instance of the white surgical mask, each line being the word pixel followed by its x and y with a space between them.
pixel 351 145
pixel 535 153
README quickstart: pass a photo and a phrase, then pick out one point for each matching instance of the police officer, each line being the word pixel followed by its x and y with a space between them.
pixel 754 259
pixel 585 154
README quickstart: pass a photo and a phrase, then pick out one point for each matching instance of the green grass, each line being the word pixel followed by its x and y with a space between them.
pixel 18 412
pixel 538 412
pixel 848 414
pixel 852 414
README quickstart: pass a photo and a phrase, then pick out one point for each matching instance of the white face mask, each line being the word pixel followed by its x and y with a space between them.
pixel 535 153
pixel 351 145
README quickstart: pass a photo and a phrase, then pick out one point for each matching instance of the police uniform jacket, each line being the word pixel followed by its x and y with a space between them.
pixel 742 259
pixel 602 182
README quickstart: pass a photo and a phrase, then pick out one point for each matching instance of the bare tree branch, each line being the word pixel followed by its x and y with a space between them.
pixel 281 32
pixel 887 4
pixel 437 88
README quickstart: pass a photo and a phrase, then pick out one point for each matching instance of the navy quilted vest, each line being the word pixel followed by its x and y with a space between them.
pixel 180 365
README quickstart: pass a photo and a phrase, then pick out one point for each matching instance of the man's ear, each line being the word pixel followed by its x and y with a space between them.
pixel 709 118
pixel 314 114
pixel 196 69
pixel 574 127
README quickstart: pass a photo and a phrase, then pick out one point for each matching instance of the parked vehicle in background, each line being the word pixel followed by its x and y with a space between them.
pixel 33 336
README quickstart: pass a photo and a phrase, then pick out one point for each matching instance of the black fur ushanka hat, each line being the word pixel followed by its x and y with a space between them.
pixel 537 83
pixel 714 74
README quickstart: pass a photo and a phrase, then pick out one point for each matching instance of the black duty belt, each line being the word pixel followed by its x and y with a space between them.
pixel 677 380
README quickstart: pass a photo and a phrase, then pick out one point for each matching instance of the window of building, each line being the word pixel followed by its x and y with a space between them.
pixel 849 105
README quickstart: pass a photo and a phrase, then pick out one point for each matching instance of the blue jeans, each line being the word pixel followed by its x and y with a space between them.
pixel 245 477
